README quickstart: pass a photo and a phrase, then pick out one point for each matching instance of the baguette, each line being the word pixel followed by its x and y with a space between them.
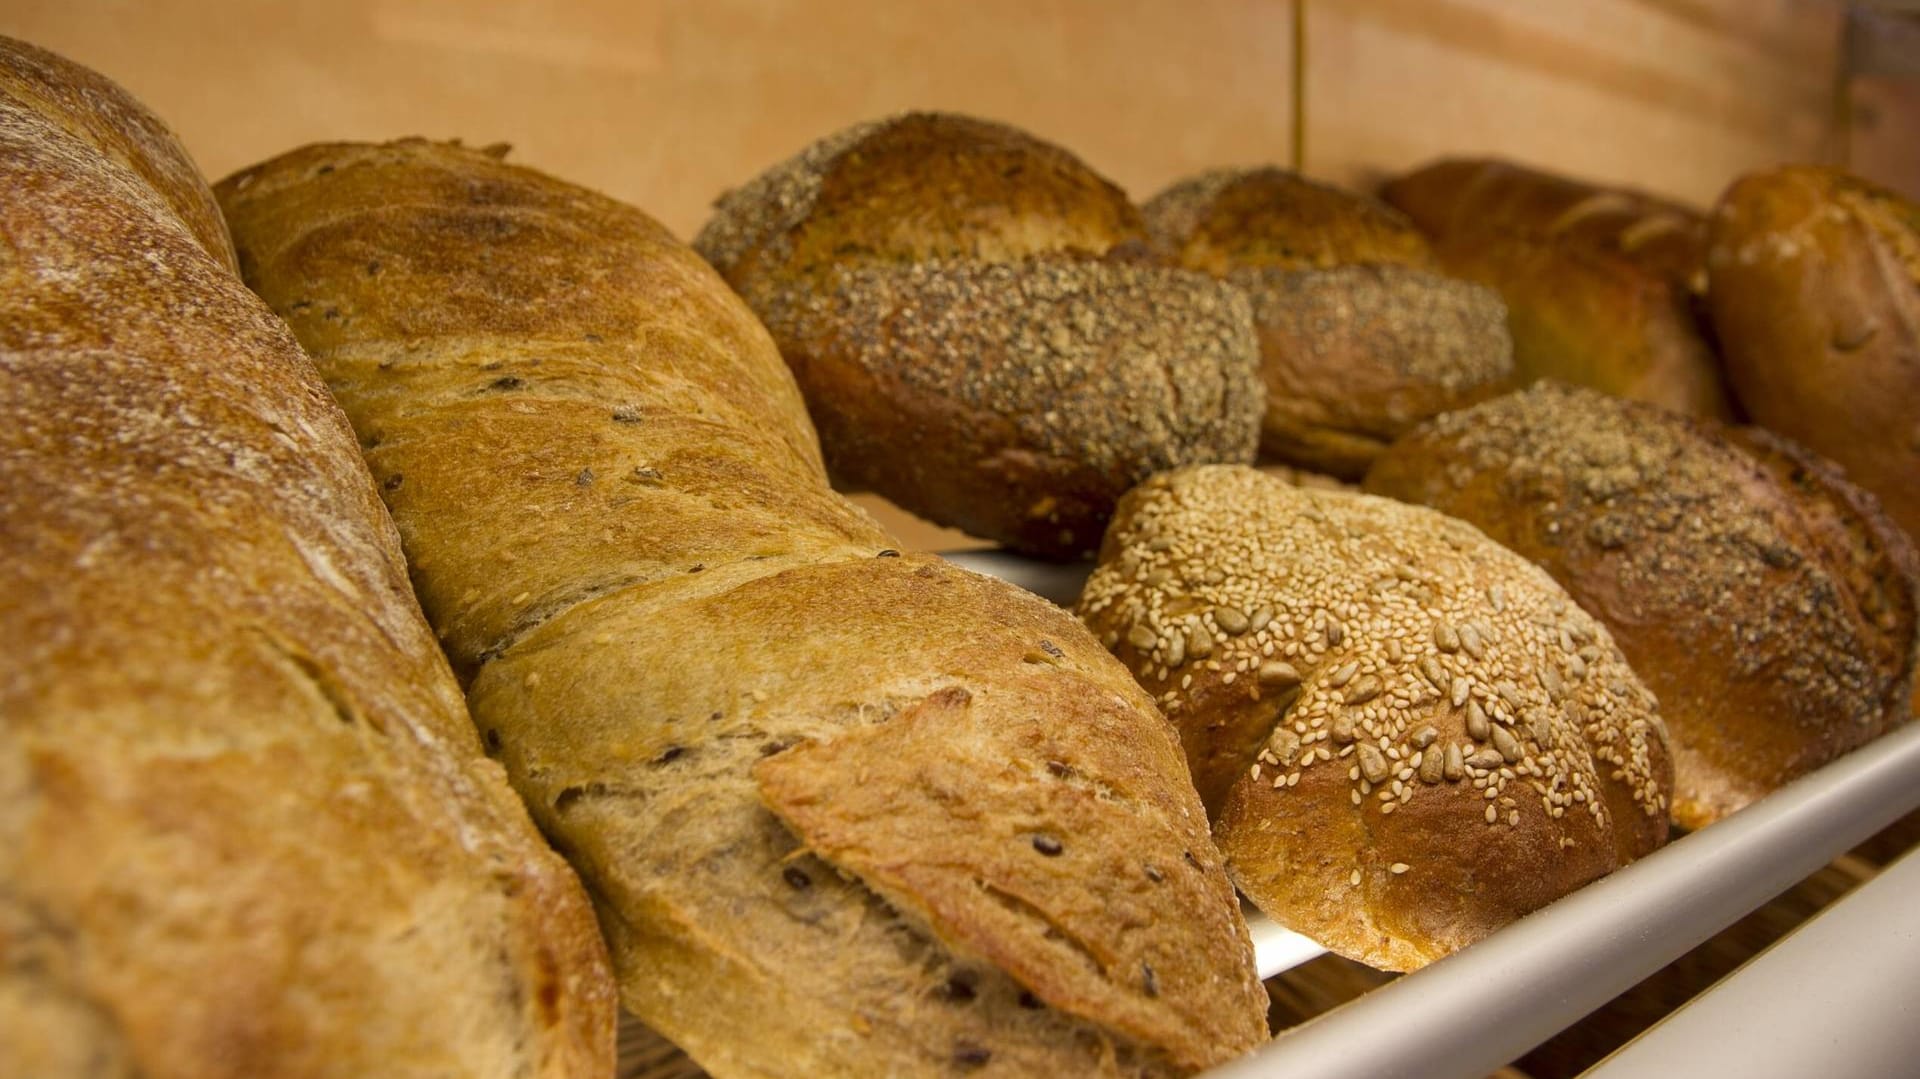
pixel 246 827
pixel 844 810
pixel 1600 283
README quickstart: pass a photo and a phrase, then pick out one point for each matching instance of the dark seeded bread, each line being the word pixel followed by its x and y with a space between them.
pixel 845 811
pixel 1600 283
pixel 979 331
pixel 1767 602
pixel 246 827
pixel 1360 336
pixel 1407 736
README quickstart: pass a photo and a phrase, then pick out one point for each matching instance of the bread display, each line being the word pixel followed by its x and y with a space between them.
pixel 845 810
pixel 978 330
pixel 1768 603
pixel 1815 293
pixel 1360 336
pixel 1406 735
pixel 1600 283
pixel 246 826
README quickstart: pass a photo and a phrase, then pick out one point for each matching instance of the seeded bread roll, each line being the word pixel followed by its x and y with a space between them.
pixel 844 811
pixel 1815 293
pixel 1360 336
pixel 246 827
pixel 977 329
pixel 1766 601
pixel 1406 735
pixel 1600 283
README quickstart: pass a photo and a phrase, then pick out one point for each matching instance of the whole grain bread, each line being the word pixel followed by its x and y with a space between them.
pixel 1815 292
pixel 1406 735
pixel 979 330
pixel 1768 603
pixel 1601 283
pixel 1361 336
pixel 246 826
pixel 845 810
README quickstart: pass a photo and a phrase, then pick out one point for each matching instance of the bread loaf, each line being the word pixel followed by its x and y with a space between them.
pixel 1360 336
pixel 246 827
pixel 1600 283
pixel 845 810
pixel 1768 603
pixel 1406 735
pixel 1815 293
pixel 978 331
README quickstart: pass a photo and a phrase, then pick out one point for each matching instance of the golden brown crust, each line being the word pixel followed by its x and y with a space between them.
pixel 1359 338
pixel 1815 293
pixel 677 637
pixel 246 828
pixel 1599 282
pixel 1270 218
pixel 960 301
pixel 1770 607
pixel 1407 736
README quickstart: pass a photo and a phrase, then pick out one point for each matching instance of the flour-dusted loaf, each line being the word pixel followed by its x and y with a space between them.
pixel 980 331
pixel 845 810
pixel 1815 291
pixel 1767 602
pixel 1361 336
pixel 1407 735
pixel 246 827
pixel 1601 283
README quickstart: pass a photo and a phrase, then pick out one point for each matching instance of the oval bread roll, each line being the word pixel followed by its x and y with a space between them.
pixel 1360 336
pixel 845 811
pixel 978 330
pixel 1406 735
pixel 246 827
pixel 1600 283
pixel 1765 600
pixel 1815 291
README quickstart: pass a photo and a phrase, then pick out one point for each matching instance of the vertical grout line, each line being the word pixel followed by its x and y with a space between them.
pixel 1300 86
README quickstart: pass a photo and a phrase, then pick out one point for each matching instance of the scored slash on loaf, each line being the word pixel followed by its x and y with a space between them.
pixel 844 810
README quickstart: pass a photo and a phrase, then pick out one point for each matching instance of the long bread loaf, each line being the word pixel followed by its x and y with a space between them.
pixel 845 811
pixel 246 827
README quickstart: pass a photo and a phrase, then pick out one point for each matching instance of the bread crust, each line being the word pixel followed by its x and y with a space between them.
pixel 1814 285
pixel 1600 283
pixel 1360 336
pixel 1766 602
pixel 979 330
pixel 1406 735
pixel 803 774
pixel 246 828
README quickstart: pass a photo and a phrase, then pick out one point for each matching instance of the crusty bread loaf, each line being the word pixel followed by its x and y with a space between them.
pixel 1600 283
pixel 978 331
pixel 246 827
pixel 845 811
pixel 1406 735
pixel 1360 336
pixel 1768 603
pixel 1815 293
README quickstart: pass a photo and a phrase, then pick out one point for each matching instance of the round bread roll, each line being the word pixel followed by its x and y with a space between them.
pixel 1600 283
pixel 978 334
pixel 1769 603
pixel 1406 735
pixel 1814 286
pixel 1360 336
